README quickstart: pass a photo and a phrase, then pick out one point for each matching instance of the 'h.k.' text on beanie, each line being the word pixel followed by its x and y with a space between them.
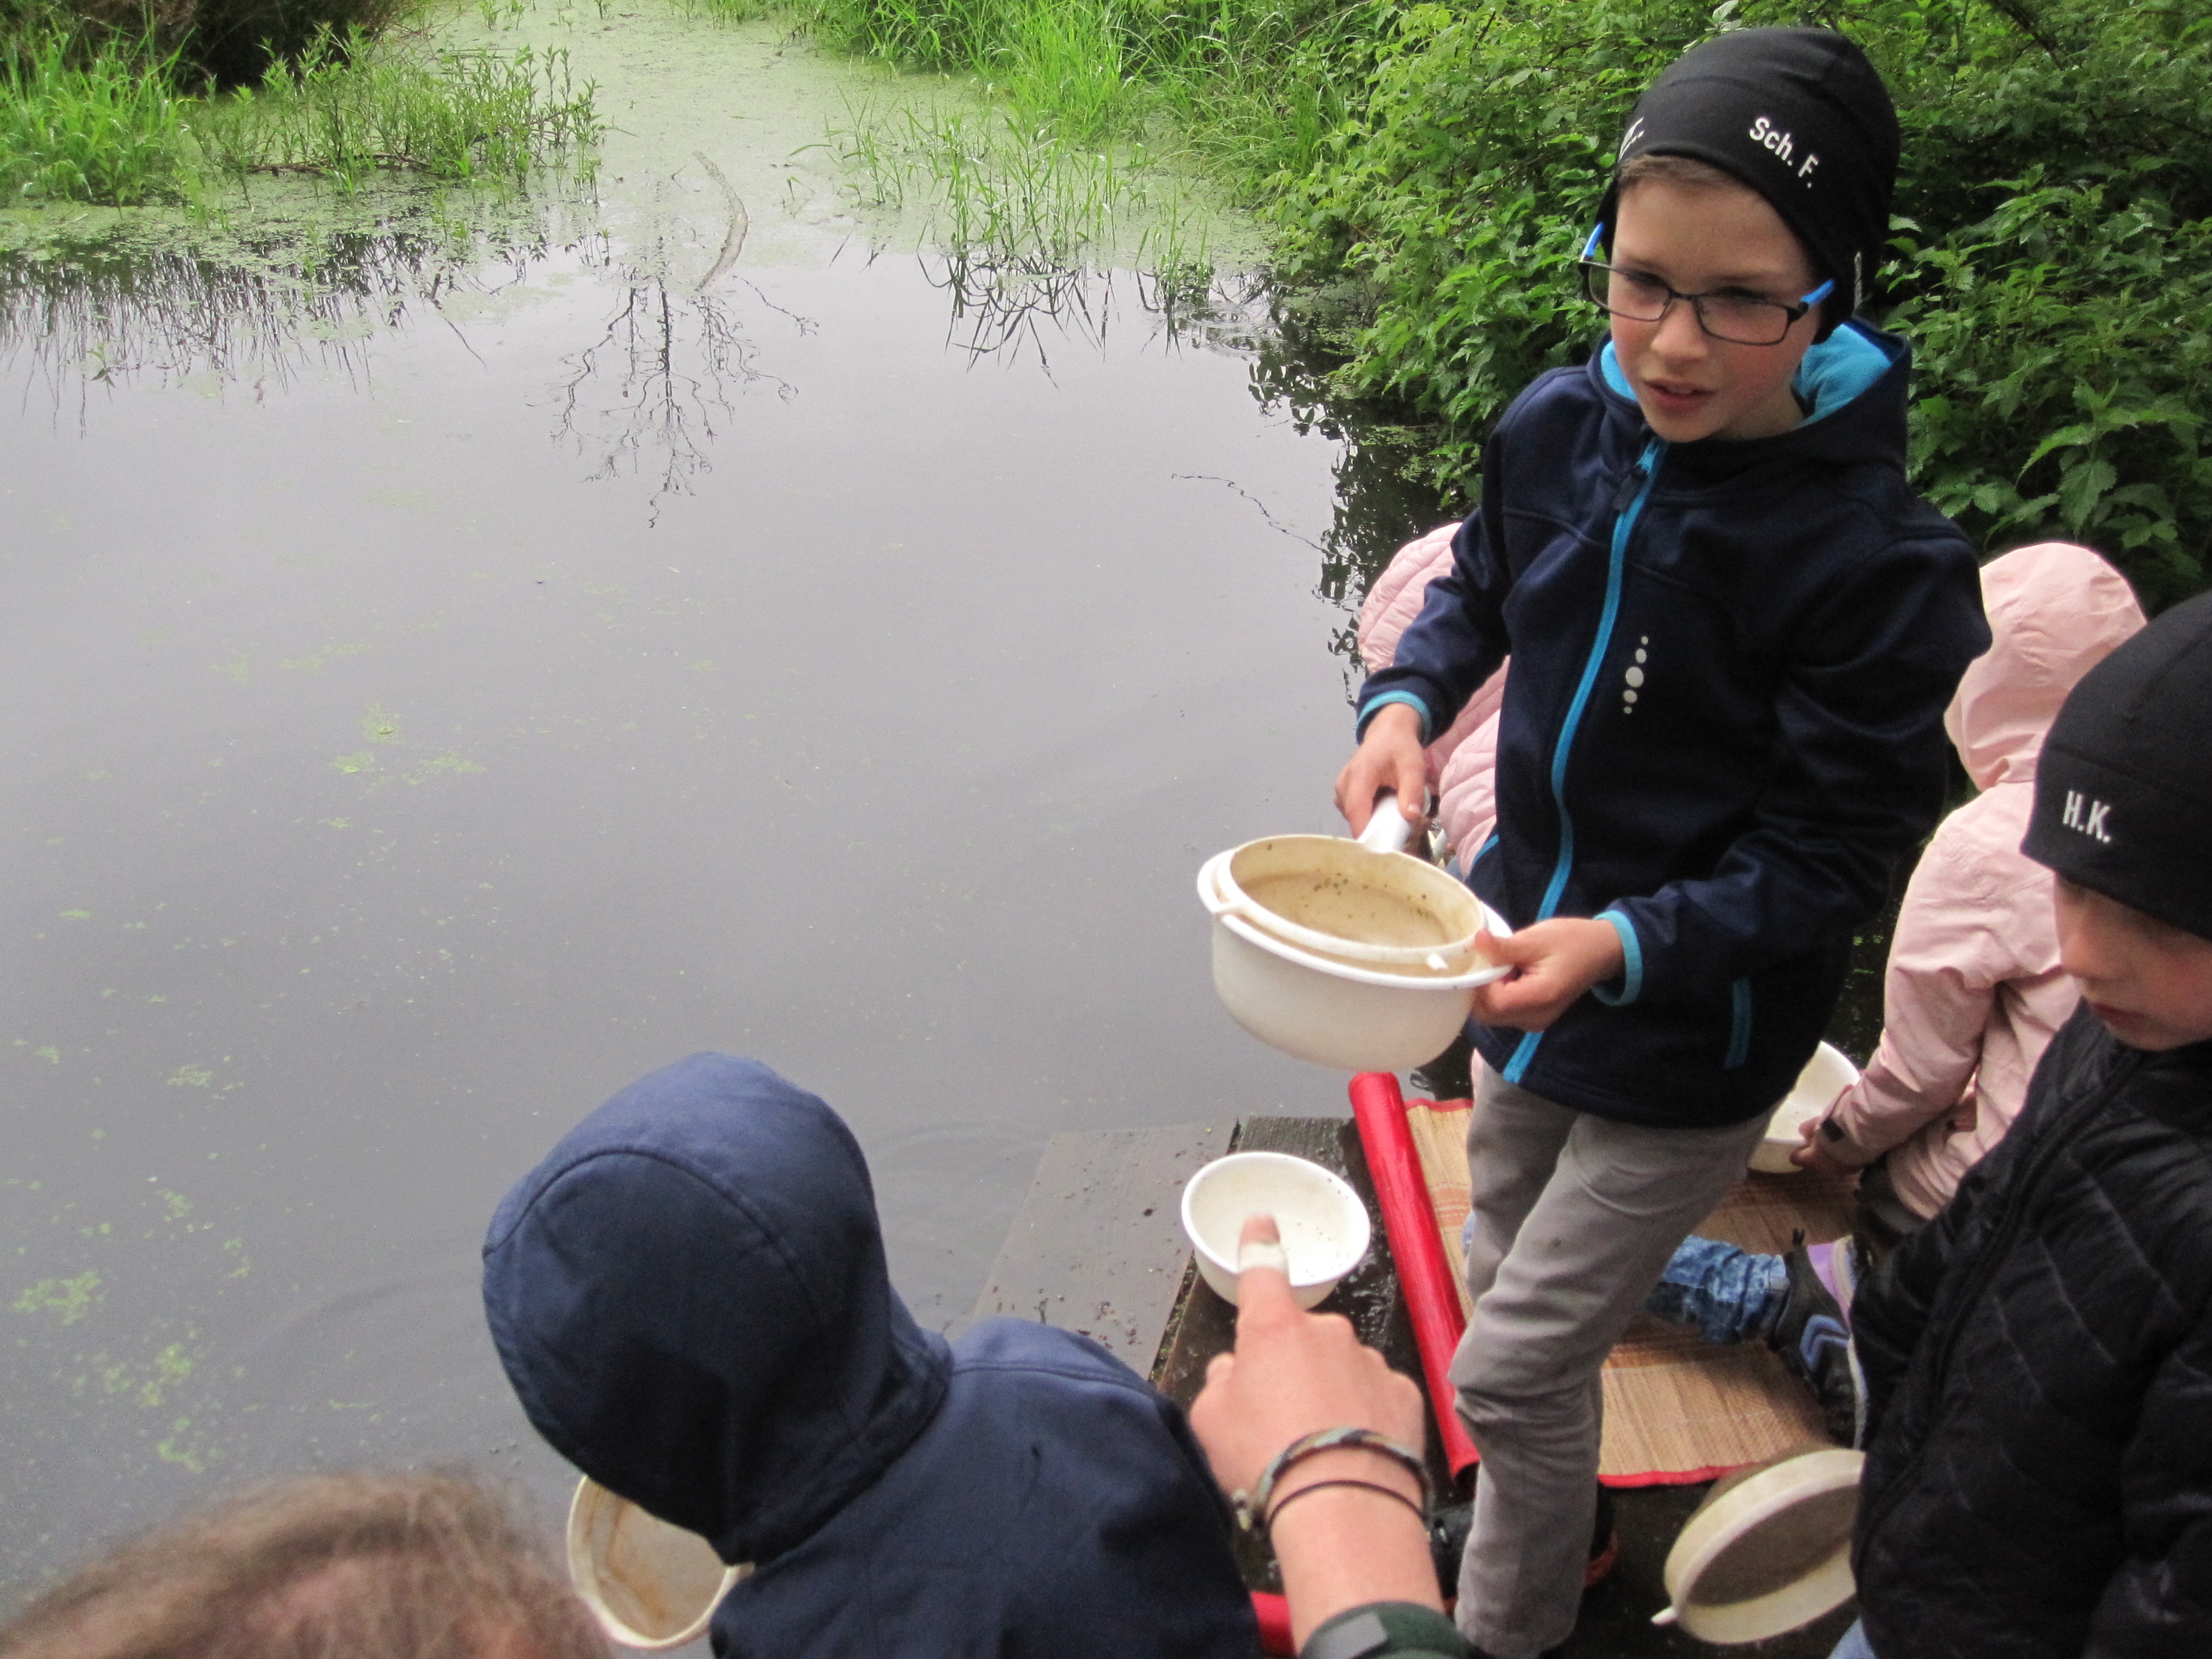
pixel 2123 786
pixel 1801 117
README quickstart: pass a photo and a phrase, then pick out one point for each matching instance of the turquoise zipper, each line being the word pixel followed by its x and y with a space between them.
pixel 1628 506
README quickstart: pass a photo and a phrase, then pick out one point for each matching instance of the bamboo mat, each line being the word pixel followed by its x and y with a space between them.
pixel 1677 1408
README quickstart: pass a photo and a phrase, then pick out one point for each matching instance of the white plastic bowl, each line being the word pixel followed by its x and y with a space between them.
pixel 1336 1013
pixel 1768 1552
pixel 1826 1075
pixel 1324 1226
pixel 649 1584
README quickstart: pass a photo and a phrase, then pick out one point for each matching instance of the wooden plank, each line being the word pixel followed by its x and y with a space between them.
pixel 1097 1245
pixel 1204 1325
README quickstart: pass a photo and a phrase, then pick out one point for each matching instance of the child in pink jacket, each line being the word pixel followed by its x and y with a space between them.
pixel 1461 760
pixel 1973 993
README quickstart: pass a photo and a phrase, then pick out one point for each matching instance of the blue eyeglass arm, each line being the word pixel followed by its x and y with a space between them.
pixel 1598 234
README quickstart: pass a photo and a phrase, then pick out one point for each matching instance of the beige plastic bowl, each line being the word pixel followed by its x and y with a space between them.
pixel 1826 1075
pixel 1324 1226
pixel 1768 1551
pixel 1351 1016
pixel 649 1584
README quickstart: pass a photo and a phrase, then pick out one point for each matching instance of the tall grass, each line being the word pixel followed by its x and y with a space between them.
pixel 347 111
pixel 97 126
pixel 104 123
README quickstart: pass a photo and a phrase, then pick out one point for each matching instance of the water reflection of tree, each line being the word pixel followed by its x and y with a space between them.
pixel 649 396
pixel 178 301
pixel 1380 505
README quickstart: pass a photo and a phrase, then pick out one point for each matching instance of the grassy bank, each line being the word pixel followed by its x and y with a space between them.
pixel 1430 170
pixel 115 116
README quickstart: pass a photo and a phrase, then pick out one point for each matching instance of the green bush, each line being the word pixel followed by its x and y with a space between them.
pixel 222 42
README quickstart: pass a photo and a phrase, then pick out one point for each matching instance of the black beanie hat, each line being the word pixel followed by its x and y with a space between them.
pixel 2124 788
pixel 1801 117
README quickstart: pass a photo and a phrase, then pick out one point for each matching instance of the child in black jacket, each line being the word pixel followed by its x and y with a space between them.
pixel 2039 1358
pixel 1734 631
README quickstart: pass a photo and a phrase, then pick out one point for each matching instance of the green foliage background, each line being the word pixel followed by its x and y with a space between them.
pixel 1430 169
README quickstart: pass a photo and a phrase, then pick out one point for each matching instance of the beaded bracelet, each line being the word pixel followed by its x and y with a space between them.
pixel 1252 1507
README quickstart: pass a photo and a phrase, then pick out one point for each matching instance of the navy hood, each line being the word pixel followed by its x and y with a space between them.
pixel 689 1298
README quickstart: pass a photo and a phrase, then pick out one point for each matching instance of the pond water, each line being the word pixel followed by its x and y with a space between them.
pixel 444 689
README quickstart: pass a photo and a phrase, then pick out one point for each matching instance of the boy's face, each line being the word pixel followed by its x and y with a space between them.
pixel 2150 981
pixel 1697 239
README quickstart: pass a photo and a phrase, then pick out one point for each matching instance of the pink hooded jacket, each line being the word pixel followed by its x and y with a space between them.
pixel 1974 992
pixel 1463 760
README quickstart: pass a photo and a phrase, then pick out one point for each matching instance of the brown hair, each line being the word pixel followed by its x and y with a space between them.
pixel 1684 170
pixel 329 1566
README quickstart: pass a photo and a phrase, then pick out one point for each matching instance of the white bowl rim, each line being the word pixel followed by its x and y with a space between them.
pixel 1257 1155
pixel 1281 947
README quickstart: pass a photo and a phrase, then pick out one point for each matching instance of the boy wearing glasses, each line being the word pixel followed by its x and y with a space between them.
pixel 1734 629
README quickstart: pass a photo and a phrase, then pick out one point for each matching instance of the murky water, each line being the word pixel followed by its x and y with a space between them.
pixel 438 694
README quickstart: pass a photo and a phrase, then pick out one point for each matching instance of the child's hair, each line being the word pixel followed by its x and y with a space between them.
pixel 396 1566
pixel 1687 171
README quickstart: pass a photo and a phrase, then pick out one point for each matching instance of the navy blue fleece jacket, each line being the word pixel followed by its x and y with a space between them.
pixel 689 1295
pixel 1724 722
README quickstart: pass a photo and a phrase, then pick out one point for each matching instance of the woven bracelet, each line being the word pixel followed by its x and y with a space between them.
pixel 1420 1509
pixel 1251 1506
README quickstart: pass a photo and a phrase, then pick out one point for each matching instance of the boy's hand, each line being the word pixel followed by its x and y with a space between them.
pixel 1554 962
pixel 1390 758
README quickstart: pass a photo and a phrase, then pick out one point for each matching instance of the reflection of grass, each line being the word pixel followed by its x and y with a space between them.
pixel 107 124
pixel 1022 210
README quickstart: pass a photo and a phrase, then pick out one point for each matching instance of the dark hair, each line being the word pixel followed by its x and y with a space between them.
pixel 330 1566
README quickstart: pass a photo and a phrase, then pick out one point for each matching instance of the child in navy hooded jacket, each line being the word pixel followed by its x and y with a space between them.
pixel 689 1298
pixel 1734 631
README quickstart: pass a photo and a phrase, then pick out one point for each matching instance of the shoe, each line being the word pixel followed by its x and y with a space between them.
pixel 1448 1531
pixel 1814 1343
pixel 1449 1527
pixel 1605 1541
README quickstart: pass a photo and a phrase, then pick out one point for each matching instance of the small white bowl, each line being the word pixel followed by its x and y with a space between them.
pixel 1324 1226
pixel 1826 1075
pixel 648 1584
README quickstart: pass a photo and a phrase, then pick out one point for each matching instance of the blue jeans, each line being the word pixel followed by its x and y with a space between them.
pixel 1854 1644
pixel 1730 1295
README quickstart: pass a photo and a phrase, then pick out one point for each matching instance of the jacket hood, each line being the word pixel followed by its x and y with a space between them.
pixel 2056 610
pixel 689 1298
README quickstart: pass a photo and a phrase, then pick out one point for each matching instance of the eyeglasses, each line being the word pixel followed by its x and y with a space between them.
pixel 1738 318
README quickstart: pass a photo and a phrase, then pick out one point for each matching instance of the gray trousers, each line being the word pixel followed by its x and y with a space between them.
pixel 1574 1217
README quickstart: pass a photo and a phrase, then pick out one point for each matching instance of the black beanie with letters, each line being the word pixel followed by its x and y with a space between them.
pixel 1801 117
pixel 2123 786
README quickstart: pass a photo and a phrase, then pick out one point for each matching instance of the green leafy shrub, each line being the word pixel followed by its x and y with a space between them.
pixel 222 42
